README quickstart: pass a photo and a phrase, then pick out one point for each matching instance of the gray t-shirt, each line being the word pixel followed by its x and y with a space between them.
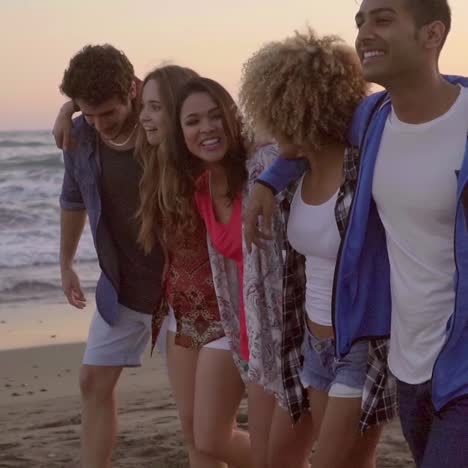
pixel 140 274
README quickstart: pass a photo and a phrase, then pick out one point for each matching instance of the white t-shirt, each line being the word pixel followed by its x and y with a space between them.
pixel 414 188
pixel 312 231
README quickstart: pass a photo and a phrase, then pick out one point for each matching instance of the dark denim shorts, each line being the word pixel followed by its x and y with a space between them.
pixel 343 378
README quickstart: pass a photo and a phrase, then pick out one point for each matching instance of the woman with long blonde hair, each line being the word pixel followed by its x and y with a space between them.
pixel 205 381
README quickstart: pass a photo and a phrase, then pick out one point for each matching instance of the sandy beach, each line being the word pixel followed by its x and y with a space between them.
pixel 39 400
pixel 40 415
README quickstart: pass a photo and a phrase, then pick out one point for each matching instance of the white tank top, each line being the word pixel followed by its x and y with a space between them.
pixel 312 231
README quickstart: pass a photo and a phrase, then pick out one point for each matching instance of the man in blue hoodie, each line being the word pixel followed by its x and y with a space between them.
pixel 403 268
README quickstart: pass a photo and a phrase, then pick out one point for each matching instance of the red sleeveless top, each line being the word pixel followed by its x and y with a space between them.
pixel 227 240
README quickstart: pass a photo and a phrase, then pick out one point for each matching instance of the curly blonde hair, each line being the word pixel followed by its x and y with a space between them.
pixel 302 90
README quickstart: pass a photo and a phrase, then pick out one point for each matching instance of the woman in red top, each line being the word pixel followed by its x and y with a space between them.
pixel 204 379
pixel 189 292
pixel 210 159
pixel 224 225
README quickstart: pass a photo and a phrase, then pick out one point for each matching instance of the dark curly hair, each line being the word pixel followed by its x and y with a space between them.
pixel 98 73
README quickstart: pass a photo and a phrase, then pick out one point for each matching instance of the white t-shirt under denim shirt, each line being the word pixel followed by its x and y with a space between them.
pixel 312 231
pixel 414 187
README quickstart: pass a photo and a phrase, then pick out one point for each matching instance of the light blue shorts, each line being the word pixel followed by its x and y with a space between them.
pixel 342 378
pixel 121 344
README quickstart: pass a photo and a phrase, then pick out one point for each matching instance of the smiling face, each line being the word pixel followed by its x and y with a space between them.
pixel 202 125
pixel 388 41
pixel 151 114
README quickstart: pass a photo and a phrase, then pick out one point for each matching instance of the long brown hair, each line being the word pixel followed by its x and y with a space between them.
pixel 170 79
pixel 180 168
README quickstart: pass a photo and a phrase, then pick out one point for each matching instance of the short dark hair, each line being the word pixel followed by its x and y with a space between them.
pixel 98 73
pixel 427 11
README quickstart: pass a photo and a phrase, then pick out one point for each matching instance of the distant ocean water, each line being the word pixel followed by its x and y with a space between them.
pixel 31 171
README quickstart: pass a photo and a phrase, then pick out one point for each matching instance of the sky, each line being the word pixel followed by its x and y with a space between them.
pixel 214 37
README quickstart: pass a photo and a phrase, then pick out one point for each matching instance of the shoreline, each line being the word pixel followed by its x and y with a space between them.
pixel 31 324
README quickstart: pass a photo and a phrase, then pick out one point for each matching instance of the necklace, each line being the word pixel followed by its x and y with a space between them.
pixel 127 140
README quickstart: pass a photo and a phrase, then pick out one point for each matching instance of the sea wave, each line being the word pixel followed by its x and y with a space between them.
pixel 30 287
pixel 36 290
pixel 19 143
pixel 31 174
pixel 28 260
pixel 52 160
pixel 43 281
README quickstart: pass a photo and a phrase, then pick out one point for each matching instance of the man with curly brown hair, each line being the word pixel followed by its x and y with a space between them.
pixel 101 180
pixel 403 267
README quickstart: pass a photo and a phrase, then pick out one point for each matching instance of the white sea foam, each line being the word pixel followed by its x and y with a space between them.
pixel 31 171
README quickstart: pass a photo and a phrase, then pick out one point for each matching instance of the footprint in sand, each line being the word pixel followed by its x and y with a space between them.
pixel 9 446
pixel 71 421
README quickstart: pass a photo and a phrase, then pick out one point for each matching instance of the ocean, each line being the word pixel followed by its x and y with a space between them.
pixel 31 172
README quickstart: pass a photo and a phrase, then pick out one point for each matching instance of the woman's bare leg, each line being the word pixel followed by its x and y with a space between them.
pixel 182 366
pixel 290 446
pixel 338 420
pixel 218 392
pixel 261 407
pixel 364 453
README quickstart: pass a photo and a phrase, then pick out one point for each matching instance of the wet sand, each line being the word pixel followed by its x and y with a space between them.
pixel 40 417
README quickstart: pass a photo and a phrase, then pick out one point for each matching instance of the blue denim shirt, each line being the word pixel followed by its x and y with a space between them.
pixel 80 191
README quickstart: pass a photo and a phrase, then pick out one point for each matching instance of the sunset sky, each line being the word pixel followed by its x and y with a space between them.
pixel 38 37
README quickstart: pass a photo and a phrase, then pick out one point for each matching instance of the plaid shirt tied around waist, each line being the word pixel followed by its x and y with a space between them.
pixel 379 403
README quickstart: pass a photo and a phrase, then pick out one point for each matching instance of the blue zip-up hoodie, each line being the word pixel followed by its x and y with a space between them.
pixel 362 301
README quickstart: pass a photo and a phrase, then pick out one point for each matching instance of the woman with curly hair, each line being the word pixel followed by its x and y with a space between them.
pixel 207 157
pixel 302 92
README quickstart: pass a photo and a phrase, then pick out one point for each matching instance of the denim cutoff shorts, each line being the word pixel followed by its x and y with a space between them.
pixel 342 378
